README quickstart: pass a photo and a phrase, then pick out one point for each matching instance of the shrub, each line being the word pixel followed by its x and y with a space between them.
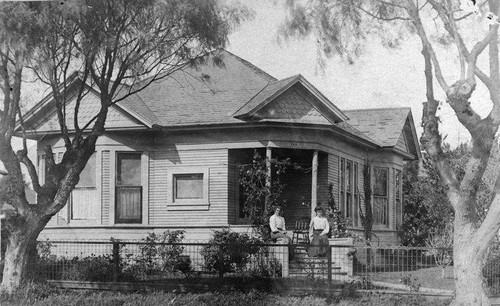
pixel 228 251
pixel 412 283
pixel 266 268
pixel 157 254
pixel 40 262
pixel 91 268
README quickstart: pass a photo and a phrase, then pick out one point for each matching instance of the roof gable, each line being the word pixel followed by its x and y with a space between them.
pixel 291 106
pixel 89 107
pixel 402 144
pixel 389 127
pixel 275 89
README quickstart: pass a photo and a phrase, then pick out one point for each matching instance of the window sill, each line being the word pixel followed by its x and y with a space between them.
pixel 82 222
pixel 191 206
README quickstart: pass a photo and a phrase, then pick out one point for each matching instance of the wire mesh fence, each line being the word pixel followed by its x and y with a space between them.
pixel 139 261
pixel 393 268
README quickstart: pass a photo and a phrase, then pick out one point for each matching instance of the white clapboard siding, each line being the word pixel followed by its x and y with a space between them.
pixel 162 162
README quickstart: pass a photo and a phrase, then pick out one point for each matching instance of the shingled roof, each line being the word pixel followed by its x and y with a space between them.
pixel 203 95
pixel 389 127
pixel 384 125
pixel 239 91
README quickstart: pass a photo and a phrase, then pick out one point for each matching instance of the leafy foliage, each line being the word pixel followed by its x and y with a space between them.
pixel 160 253
pixel 427 209
pixel 90 268
pixel 262 194
pixel 426 205
pixel 229 251
pixel 412 283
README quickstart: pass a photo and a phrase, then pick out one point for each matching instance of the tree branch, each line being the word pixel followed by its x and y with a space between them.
pixel 479 48
pixel 489 227
pixel 414 14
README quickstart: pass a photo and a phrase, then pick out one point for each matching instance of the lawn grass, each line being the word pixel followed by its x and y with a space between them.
pixel 427 277
pixel 43 295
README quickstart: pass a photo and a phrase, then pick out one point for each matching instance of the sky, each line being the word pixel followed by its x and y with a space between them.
pixel 380 78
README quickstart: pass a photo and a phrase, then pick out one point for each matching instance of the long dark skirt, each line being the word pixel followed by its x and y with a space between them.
pixel 318 247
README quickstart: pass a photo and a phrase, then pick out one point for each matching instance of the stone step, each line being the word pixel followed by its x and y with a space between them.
pixel 335 275
pixel 311 264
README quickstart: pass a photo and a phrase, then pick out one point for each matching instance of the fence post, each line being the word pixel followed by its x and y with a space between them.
pixel 116 260
pixel 329 265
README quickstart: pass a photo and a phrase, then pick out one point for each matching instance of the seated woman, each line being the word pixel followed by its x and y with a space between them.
pixel 318 230
pixel 277 225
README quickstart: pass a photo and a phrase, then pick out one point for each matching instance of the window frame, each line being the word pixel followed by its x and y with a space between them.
pixel 356 198
pixel 398 196
pixel 381 219
pixel 84 187
pixel 188 204
pixel 117 186
pixel 375 177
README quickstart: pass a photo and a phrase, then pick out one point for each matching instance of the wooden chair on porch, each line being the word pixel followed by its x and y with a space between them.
pixel 301 231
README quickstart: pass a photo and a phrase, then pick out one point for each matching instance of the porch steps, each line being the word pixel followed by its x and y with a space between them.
pixel 317 267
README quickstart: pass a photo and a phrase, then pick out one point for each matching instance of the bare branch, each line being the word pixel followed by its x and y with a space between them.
pixel 479 48
pixel 459 41
pixel 414 14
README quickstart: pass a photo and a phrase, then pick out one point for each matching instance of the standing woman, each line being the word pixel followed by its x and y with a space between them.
pixel 318 230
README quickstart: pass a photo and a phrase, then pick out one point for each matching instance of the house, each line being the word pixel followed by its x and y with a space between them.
pixel 169 156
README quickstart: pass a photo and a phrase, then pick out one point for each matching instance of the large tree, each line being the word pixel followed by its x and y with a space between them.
pixel 341 27
pixel 113 47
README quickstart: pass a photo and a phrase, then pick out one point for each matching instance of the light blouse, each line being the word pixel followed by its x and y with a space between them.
pixel 319 223
pixel 276 223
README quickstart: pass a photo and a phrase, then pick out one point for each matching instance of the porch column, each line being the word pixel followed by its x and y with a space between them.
pixel 269 155
pixel 314 182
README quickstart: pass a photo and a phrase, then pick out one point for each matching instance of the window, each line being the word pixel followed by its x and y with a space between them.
pixel 380 199
pixel 84 200
pixel 380 188
pixel 349 193
pixel 356 196
pixel 398 198
pixel 188 188
pixel 342 186
pixel 348 206
pixel 128 188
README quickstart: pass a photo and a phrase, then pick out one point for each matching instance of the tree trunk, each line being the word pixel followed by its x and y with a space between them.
pixel 468 261
pixel 17 253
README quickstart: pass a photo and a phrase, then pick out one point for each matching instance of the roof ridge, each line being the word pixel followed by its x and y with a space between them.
pixel 258 92
pixel 286 82
pixel 376 108
pixel 252 66
pixel 287 78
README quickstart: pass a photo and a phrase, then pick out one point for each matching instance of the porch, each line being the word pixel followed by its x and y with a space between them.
pixel 305 182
